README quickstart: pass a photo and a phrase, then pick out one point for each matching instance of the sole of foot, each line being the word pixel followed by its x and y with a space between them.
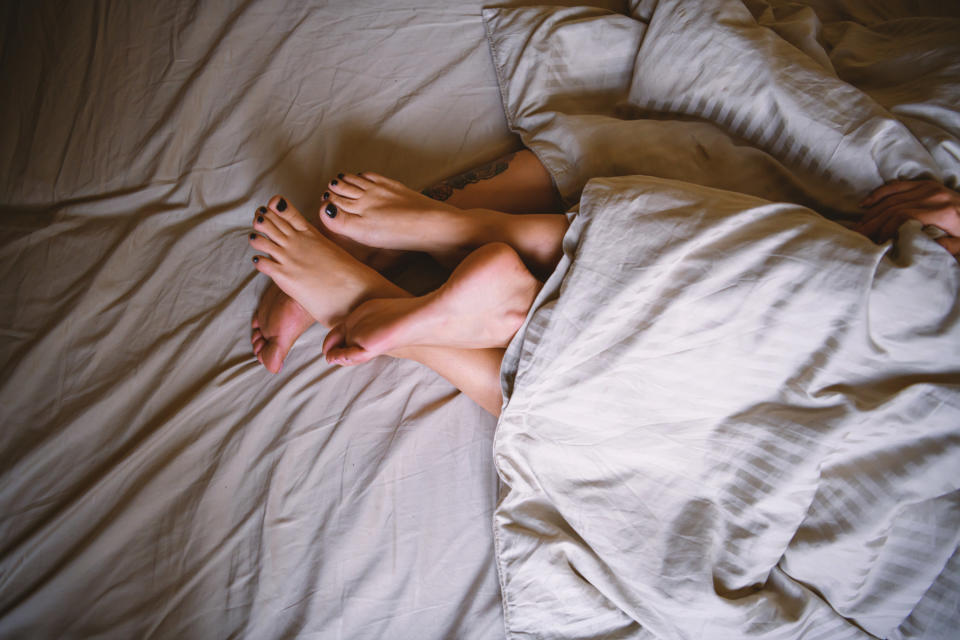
pixel 277 324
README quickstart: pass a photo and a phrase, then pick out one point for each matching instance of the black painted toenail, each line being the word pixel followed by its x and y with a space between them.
pixel 331 210
pixel 326 195
pixel 253 236
pixel 259 218
pixel 340 175
pixel 282 205
pixel 262 210
pixel 256 258
pixel 334 182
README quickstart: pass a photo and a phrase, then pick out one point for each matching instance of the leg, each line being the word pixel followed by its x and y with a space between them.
pixel 515 183
pixel 328 283
pixel 475 372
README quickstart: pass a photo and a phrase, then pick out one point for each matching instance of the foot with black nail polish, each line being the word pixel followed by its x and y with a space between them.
pixel 379 212
pixel 323 280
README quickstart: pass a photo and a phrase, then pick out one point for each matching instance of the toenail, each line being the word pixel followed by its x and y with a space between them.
pixel 331 210
pixel 256 258
pixel 253 236
pixel 262 210
pixel 333 182
pixel 282 205
pixel 326 195
pixel 340 175
pixel 259 218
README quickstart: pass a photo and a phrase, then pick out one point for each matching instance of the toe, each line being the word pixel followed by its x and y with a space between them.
pixel 280 222
pixel 266 225
pixel 271 357
pixel 357 181
pixel 347 356
pixel 342 203
pixel 378 179
pixel 344 189
pixel 264 244
pixel 375 178
pixel 337 351
pixel 335 219
pixel 265 265
pixel 284 210
pixel 334 338
pixel 258 345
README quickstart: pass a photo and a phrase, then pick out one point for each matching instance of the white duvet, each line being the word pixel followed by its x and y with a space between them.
pixel 727 417
pixel 731 418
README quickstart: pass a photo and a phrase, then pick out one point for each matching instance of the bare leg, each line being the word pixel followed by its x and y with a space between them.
pixel 476 372
pixel 516 183
pixel 328 283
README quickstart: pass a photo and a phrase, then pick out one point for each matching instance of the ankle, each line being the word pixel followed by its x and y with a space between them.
pixel 488 226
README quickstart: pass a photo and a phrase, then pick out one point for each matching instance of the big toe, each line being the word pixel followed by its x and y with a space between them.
pixel 288 212
pixel 335 218
pixel 272 355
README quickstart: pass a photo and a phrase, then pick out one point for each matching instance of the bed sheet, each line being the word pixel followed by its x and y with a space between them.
pixel 155 481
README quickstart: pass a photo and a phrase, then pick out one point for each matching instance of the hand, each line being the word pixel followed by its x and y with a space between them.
pixel 925 200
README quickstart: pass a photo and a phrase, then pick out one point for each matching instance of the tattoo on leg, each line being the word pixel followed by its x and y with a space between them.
pixel 445 189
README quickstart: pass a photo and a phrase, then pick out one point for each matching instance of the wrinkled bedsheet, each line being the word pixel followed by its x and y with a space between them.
pixel 727 417
pixel 155 481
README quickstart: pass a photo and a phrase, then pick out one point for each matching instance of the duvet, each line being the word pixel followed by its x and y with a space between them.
pixel 728 416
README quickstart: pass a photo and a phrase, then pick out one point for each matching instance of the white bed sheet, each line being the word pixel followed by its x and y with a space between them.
pixel 155 481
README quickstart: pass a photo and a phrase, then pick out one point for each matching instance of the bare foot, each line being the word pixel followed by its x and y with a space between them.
pixel 320 276
pixel 482 305
pixel 381 260
pixel 280 320
pixel 378 212
pixel 277 324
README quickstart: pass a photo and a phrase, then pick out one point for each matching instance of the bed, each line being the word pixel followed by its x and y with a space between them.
pixel 157 482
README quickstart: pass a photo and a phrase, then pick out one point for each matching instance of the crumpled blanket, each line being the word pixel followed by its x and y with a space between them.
pixel 727 417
